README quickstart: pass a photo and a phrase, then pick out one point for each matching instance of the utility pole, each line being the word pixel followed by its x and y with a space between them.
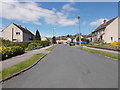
pixel 53 34
pixel 53 31
pixel 79 30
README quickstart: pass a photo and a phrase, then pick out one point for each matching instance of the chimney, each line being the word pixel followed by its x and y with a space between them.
pixel 104 21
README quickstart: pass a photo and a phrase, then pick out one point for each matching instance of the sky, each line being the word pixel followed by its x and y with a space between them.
pixel 60 16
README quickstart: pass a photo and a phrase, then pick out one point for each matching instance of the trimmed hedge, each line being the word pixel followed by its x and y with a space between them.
pixel 8 52
pixel 37 45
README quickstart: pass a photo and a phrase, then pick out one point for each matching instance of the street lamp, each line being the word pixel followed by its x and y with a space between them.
pixel 79 30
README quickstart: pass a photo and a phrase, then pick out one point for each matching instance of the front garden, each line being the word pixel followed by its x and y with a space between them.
pixel 9 49
pixel 111 46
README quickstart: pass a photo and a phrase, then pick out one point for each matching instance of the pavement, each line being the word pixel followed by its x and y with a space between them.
pixel 69 67
pixel 104 50
pixel 17 59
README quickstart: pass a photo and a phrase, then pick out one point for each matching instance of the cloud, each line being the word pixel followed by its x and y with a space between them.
pixel 68 7
pixel 31 12
pixel 98 22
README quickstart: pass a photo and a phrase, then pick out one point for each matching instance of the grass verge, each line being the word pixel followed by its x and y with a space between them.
pixel 111 55
pixel 51 48
pixel 18 67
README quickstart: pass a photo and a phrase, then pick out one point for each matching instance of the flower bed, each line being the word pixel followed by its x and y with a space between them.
pixel 115 46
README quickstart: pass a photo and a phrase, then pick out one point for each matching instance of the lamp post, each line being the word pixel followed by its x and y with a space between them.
pixel 79 30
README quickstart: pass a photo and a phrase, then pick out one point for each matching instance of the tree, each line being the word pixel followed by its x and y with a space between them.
pixel 54 40
pixel 68 35
pixel 37 36
pixel 77 39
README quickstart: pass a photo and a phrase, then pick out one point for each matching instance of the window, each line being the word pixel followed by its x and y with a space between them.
pixel 111 38
pixel 17 33
pixel 118 39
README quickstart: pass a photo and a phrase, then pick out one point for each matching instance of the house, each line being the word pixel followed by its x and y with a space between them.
pixel 44 39
pixel 83 36
pixel 69 39
pixel 61 40
pixel 17 33
pixel 107 32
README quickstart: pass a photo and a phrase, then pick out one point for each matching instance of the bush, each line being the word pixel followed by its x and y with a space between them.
pixel 8 43
pixel 32 46
pixel 42 43
pixel 116 43
pixel 10 51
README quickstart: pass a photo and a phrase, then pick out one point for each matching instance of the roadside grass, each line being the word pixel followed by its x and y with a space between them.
pixel 111 55
pixel 18 67
pixel 51 48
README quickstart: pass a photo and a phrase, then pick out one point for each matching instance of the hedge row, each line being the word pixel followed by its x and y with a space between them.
pixel 8 52
pixel 25 44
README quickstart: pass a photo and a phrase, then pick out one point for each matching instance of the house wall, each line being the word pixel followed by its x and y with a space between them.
pixel 112 31
pixel 9 33
pixel 26 37
pixel 94 38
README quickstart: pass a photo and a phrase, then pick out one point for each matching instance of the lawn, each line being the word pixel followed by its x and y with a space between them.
pixel 114 56
pixel 16 68
pixel 51 48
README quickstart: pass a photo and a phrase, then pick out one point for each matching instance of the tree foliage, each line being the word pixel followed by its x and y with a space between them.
pixel 37 36
pixel 54 40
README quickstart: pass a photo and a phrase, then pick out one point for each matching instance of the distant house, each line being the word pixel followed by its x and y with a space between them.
pixel 69 39
pixel 61 40
pixel 107 32
pixel 83 36
pixel 17 33
pixel 44 39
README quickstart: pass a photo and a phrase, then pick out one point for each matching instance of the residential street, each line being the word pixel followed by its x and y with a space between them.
pixel 69 67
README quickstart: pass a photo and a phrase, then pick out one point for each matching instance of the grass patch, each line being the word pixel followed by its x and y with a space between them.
pixel 18 67
pixel 111 55
pixel 51 48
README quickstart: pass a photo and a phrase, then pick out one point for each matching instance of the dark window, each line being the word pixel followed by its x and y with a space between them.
pixel 14 39
pixel 17 33
pixel 118 39
pixel 101 37
pixel 111 38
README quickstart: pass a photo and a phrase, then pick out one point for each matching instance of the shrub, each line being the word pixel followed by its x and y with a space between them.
pixel 8 43
pixel 10 51
pixel 33 46
pixel 44 43
pixel 116 43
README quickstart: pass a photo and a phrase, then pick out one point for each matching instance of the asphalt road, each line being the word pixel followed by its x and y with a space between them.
pixel 69 67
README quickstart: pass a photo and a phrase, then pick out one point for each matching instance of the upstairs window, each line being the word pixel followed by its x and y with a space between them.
pixel 17 33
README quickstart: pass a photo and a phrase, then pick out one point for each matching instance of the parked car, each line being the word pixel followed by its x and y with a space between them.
pixel 72 43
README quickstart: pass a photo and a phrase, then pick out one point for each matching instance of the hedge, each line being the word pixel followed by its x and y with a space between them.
pixel 8 52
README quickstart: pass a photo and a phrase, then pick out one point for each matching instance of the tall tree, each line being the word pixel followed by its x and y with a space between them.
pixel 37 36
pixel 54 40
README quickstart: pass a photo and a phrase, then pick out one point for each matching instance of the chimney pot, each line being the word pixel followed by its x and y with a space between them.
pixel 104 21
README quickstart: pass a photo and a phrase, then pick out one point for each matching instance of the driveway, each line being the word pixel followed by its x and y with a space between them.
pixel 69 67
